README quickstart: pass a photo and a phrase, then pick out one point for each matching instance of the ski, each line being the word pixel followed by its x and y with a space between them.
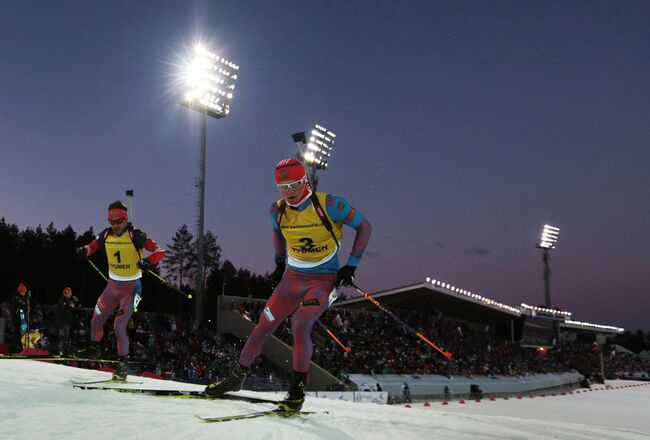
pixel 202 395
pixel 59 359
pixel 152 392
pixel 253 415
pixel 107 381
pixel 240 398
pixel 179 394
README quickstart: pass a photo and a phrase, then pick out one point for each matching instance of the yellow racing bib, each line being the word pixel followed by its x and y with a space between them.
pixel 309 243
pixel 122 257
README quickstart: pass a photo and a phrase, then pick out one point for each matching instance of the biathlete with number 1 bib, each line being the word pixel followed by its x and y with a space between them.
pixel 124 246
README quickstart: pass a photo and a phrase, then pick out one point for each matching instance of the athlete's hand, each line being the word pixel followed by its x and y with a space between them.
pixel 277 274
pixel 345 276
pixel 82 252
pixel 144 265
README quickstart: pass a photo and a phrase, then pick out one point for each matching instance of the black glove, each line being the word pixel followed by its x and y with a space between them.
pixel 144 265
pixel 345 276
pixel 280 266
pixel 82 253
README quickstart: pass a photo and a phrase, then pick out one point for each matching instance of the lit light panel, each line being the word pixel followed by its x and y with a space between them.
pixel 209 83
pixel 319 147
pixel 549 237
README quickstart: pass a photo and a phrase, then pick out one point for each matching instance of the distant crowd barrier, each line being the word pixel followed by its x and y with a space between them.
pixel 434 385
pixel 353 396
pixel 349 396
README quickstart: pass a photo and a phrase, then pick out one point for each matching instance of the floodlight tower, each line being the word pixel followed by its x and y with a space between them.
pixel 315 151
pixel 547 242
pixel 209 90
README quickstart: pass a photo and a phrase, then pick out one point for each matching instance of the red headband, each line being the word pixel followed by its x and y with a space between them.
pixel 289 170
pixel 117 213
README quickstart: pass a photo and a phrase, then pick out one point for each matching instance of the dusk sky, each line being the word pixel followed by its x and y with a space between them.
pixel 462 127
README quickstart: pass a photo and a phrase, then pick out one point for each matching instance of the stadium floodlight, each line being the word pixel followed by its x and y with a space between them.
pixel 319 147
pixel 209 87
pixel 549 237
pixel 315 150
pixel 210 83
pixel 547 242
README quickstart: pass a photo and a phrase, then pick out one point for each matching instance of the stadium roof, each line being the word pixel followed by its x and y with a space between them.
pixel 434 296
pixel 426 298
pixel 588 327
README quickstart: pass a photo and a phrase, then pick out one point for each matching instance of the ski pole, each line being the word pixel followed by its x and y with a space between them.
pixel 446 354
pixel 151 272
pixel 329 332
pixel 164 281
pixel 135 309
pixel 97 269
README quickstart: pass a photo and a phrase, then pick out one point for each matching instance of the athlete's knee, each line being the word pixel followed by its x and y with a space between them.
pixel 97 321
pixel 121 320
pixel 301 325
pixel 263 330
pixel 298 323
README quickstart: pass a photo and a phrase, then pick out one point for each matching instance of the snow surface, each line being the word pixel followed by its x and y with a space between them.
pixel 37 401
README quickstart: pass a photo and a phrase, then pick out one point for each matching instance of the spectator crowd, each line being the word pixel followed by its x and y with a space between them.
pixel 379 345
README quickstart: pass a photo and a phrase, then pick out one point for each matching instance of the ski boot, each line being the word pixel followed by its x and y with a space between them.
pixel 122 369
pixel 233 382
pixel 91 351
pixel 296 396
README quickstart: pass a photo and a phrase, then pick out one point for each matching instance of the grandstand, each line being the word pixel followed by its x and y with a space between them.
pixel 498 349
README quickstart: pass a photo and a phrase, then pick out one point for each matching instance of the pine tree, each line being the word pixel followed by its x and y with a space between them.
pixel 9 261
pixel 211 255
pixel 180 256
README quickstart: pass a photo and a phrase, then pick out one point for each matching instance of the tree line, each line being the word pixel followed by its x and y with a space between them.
pixel 46 261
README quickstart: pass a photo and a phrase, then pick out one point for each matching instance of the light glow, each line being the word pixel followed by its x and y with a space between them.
pixel 469 294
pixel 546 310
pixel 209 83
pixel 481 299
pixel 597 326
pixel 319 144
pixel 549 237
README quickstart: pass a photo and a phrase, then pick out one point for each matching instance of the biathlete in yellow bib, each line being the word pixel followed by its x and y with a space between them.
pixel 124 246
pixel 307 230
